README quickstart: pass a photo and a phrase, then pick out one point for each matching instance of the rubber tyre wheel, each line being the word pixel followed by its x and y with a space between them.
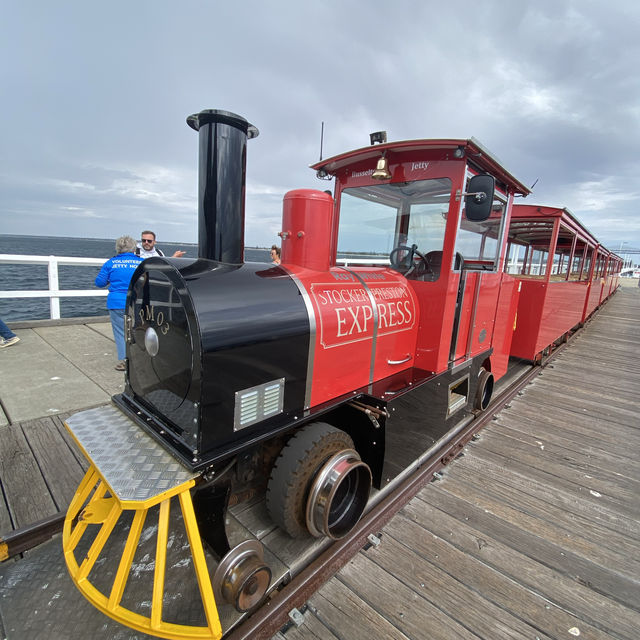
pixel 294 470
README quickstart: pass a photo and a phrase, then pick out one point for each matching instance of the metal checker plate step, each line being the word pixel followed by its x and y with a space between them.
pixel 133 464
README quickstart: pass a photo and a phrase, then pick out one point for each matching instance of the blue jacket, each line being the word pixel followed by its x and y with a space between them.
pixel 116 272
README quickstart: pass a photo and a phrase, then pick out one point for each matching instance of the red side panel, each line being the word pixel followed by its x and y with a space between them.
pixel 504 324
pixel 563 309
pixel 593 297
pixel 437 308
pixel 475 332
pixel 528 320
pixel 366 322
pixel 545 312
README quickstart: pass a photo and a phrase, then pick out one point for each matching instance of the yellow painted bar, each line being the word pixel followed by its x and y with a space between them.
pixel 161 565
pixel 120 581
pixel 99 542
pixel 81 526
pixel 200 565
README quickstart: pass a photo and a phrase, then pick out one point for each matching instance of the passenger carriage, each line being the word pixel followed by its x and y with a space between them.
pixel 564 275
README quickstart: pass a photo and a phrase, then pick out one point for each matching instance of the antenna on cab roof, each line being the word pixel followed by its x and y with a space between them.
pixel 519 195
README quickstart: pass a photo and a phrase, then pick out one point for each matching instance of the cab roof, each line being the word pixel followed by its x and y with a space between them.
pixel 471 147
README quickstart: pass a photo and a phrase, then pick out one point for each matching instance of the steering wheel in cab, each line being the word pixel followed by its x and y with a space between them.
pixel 407 263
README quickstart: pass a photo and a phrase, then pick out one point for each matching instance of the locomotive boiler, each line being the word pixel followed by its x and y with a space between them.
pixel 310 382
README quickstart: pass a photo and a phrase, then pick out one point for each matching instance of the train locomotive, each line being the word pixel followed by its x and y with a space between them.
pixel 311 381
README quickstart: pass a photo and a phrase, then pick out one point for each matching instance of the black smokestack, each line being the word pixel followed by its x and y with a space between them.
pixel 221 183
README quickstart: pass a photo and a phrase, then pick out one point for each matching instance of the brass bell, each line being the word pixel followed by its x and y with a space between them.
pixel 382 170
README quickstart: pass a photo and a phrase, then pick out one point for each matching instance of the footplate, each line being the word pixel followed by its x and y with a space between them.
pixel 131 473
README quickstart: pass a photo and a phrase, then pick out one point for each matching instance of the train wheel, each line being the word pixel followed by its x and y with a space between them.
pixel 242 578
pixel 485 389
pixel 318 485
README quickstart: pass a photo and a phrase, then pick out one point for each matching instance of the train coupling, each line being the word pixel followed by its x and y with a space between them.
pixel 131 476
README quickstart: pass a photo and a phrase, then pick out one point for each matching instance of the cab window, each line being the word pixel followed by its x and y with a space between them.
pixel 377 219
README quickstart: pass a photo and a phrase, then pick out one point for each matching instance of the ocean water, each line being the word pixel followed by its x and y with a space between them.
pixel 33 276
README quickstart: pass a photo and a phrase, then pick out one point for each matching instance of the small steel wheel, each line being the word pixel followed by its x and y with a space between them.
pixel 318 484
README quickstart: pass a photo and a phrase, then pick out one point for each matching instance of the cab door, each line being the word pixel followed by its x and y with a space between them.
pixel 475 315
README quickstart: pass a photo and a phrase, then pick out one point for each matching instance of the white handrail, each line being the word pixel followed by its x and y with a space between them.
pixel 54 293
pixel 375 260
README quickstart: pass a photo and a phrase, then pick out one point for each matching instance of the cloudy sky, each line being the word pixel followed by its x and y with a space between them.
pixel 93 136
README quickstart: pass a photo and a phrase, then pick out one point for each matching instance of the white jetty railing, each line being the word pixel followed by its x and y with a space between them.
pixel 373 260
pixel 54 293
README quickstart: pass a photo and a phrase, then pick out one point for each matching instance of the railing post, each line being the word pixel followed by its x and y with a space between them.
pixel 54 301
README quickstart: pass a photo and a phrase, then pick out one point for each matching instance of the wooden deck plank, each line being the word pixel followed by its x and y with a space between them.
pixel 59 467
pixel 404 607
pixel 583 499
pixel 311 629
pixel 577 425
pixel 25 490
pixel 610 390
pixel 581 532
pixel 512 557
pixel 509 505
pixel 608 395
pixel 5 517
pixel 66 436
pixel 398 557
pixel 535 432
pixel 571 467
pixel 347 616
pixel 527 604
pixel 552 397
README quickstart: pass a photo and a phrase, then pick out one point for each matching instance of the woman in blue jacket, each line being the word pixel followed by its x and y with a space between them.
pixel 116 272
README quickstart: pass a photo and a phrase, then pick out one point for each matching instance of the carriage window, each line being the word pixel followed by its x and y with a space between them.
pixel 538 263
pixel 561 263
pixel 515 258
pixel 579 268
pixel 586 269
pixel 526 260
pixel 375 219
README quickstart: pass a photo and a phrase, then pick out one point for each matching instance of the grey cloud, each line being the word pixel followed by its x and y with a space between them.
pixel 97 95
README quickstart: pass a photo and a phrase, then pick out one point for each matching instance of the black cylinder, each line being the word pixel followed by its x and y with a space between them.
pixel 221 183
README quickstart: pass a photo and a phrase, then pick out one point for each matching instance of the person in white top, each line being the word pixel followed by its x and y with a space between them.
pixel 147 246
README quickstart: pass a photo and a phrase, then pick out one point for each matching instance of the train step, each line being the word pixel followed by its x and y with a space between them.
pixel 130 475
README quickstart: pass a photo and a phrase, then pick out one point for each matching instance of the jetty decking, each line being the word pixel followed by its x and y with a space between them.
pixel 534 533
pixel 56 369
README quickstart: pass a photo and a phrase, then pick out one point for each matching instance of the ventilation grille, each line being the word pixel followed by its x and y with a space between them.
pixel 258 403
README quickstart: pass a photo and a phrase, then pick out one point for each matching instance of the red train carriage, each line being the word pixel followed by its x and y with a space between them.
pixel 381 332
pixel 564 275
